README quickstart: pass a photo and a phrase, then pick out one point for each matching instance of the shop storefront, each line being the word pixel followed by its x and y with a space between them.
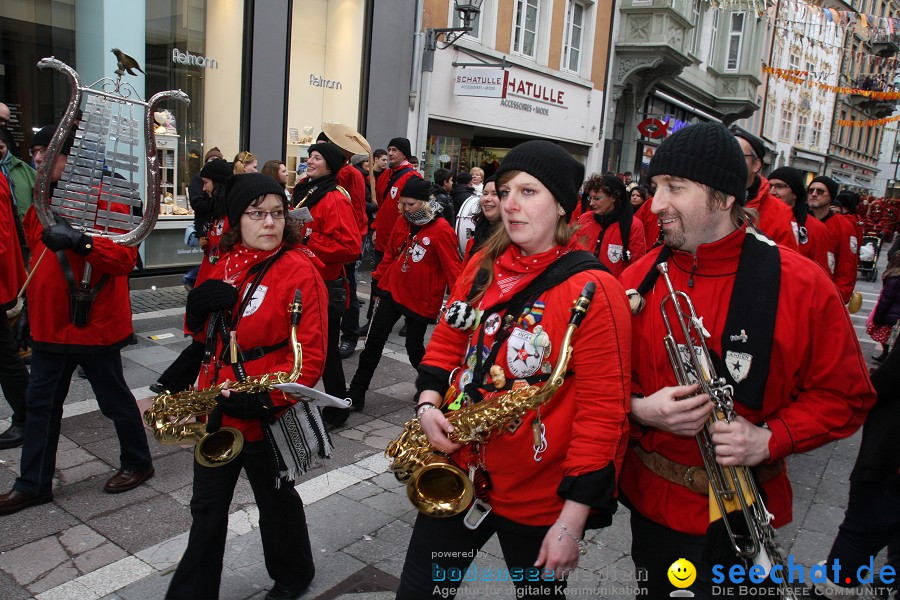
pixel 325 75
pixel 199 48
pixel 467 131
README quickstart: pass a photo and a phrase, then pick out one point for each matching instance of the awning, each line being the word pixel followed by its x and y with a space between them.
pixel 843 180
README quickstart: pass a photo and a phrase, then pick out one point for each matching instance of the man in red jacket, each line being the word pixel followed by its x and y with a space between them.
pixel 821 191
pixel 813 237
pixel 387 194
pixel 63 341
pixel 765 332
pixel 13 374
pixel 775 219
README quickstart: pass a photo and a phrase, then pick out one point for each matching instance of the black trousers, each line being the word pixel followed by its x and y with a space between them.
pixel 282 526
pixel 350 321
pixel 871 522
pixel 13 373
pixel 183 371
pixel 654 548
pixel 51 374
pixel 333 376
pixel 442 550
pixel 383 321
pixel 377 257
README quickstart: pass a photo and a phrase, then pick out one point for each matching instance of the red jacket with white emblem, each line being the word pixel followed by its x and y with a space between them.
pixel 387 195
pixel 610 252
pixel 266 322
pixel 818 243
pixel 776 219
pixel 430 257
pixel 844 252
pixel 109 321
pixel 818 387
pixel 585 422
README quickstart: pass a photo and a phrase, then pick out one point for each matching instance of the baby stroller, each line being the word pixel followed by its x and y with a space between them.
pixel 869 251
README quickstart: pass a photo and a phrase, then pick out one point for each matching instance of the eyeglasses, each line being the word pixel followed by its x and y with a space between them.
pixel 750 156
pixel 815 191
pixel 260 215
pixel 34 152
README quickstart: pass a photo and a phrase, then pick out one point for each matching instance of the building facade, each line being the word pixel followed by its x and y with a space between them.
pixel 677 62
pixel 543 64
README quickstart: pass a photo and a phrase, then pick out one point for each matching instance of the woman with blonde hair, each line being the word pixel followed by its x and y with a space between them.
pixel 550 476
pixel 477 179
pixel 245 162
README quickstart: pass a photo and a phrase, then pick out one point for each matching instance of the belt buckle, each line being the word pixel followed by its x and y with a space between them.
pixel 689 477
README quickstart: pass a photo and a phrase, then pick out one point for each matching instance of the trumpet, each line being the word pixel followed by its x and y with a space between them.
pixel 172 417
pixel 437 487
pixel 733 488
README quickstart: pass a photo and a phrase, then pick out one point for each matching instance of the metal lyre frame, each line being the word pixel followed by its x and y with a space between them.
pixel 104 148
pixel 108 121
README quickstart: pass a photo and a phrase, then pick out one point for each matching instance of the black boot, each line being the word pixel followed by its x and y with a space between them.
pixel 335 417
pixel 12 437
pixel 882 356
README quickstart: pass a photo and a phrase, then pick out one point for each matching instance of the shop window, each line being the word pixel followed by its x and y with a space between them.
pixel 574 36
pixel 526 27
pixel 735 41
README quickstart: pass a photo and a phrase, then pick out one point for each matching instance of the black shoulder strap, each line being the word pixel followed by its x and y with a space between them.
pixel 394 177
pixel 564 267
pixel 650 278
pixel 70 278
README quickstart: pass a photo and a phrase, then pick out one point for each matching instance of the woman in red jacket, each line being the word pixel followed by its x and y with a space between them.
pixel 247 294
pixel 333 235
pixel 421 260
pixel 552 475
pixel 609 230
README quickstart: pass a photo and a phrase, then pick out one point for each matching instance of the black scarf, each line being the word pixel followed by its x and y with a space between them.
pixel 311 191
pixel 482 231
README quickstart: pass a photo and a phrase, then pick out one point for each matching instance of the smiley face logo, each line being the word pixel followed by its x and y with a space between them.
pixel 682 573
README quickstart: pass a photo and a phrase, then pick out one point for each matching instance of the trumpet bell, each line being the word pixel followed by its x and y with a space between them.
pixel 219 448
pixel 440 489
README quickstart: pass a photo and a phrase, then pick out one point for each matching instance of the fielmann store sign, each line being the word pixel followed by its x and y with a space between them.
pixel 497 83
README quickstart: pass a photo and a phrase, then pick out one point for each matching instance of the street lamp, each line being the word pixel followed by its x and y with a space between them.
pixel 468 10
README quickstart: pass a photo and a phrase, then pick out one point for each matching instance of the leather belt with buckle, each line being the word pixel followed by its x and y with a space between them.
pixel 696 478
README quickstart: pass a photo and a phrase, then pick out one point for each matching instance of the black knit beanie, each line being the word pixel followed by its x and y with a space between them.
pixel 401 144
pixel 45 134
pixel 706 153
pixel 242 189
pixel 334 156
pixel 549 164
pixel 416 188
pixel 829 183
pixel 218 170
pixel 794 179
pixel 849 200
pixel 759 148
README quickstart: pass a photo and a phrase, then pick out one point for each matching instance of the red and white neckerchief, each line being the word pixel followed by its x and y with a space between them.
pixel 241 258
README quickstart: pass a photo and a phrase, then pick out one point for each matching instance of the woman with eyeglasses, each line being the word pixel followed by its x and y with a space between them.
pixel 246 296
pixel 333 236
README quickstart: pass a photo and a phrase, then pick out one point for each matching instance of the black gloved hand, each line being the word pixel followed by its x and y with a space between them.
pixel 62 236
pixel 23 329
pixel 210 296
pixel 246 405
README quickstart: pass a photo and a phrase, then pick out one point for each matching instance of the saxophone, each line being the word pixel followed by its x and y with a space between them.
pixel 172 417
pixel 437 487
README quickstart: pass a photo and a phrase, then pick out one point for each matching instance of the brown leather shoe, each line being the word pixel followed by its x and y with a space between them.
pixel 127 479
pixel 13 501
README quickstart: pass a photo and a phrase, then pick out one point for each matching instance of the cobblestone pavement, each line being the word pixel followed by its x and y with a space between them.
pixel 87 544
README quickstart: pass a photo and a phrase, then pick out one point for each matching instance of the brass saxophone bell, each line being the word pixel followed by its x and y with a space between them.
pixel 440 489
pixel 220 447
pixel 855 303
